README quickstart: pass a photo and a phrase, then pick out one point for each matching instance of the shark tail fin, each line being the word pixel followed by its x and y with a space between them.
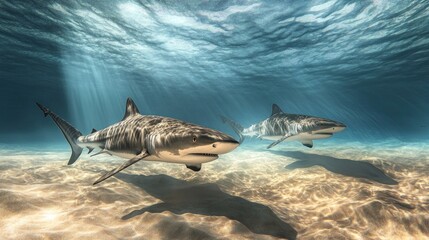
pixel 235 126
pixel 70 133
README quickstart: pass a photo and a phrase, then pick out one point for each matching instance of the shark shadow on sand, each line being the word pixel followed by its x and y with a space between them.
pixel 346 167
pixel 179 196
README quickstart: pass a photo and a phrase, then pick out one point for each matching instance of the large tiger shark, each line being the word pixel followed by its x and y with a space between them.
pixel 147 137
pixel 281 126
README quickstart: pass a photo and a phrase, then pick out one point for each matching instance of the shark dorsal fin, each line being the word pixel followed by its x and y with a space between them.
pixel 276 109
pixel 94 130
pixel 131 109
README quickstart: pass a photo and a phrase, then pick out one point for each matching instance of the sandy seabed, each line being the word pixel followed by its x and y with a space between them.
pixel 352 191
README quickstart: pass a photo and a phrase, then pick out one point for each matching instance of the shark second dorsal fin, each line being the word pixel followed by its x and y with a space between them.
pixel 276 109
pixel 130 109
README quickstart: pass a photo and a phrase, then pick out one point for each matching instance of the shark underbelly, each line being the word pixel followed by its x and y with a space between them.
pixel 172 157
pixel 167 157
pixel 298 137
pixel 180 160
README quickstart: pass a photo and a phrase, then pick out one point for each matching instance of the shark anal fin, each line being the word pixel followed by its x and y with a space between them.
pixel 280 140
pixel 94 130
pixel 90 149
pixel 122 167
pixel 307 143
pixel 194 167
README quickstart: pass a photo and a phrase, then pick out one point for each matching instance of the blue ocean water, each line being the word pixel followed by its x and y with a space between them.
pixel 364 63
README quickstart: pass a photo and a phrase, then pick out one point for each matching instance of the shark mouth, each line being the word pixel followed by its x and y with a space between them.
pixel 204 154
pixel 324 134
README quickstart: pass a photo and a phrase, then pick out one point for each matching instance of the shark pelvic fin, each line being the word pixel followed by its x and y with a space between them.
pixel 126 164
pixel 276 109
pixel 280 140
pixel 130 109
pixel 307 143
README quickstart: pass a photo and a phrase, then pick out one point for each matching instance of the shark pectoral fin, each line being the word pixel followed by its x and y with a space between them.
pixel 194 167
pixel 279 141
pixel 122 167
pixel 307 143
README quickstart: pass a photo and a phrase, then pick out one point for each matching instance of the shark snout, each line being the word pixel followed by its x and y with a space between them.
pixel 330 127
pixel 232 141
pixel 207 147
pixel 224 146
pixel 336 127
pixel 339 127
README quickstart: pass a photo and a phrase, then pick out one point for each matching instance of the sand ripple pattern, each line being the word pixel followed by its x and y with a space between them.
pixel 349 192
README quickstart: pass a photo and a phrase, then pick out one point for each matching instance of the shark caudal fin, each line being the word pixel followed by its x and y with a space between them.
pixel 235 126
pixel 70 133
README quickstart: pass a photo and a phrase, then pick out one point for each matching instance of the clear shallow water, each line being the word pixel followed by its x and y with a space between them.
pixel 363 63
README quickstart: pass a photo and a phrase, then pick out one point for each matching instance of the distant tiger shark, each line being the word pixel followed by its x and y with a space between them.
pixel 281 126
pixel 153 138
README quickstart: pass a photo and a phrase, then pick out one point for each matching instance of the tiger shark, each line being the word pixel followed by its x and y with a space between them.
pixel 281 126
pixel 147 137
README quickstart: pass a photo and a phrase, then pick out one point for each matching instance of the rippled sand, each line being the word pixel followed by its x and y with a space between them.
pixel 351 191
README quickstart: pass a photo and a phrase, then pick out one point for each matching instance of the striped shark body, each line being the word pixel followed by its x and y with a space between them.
pixel 148 137
pixel 281 126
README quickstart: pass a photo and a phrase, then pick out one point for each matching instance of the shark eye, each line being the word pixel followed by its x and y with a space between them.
pixel 194 139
